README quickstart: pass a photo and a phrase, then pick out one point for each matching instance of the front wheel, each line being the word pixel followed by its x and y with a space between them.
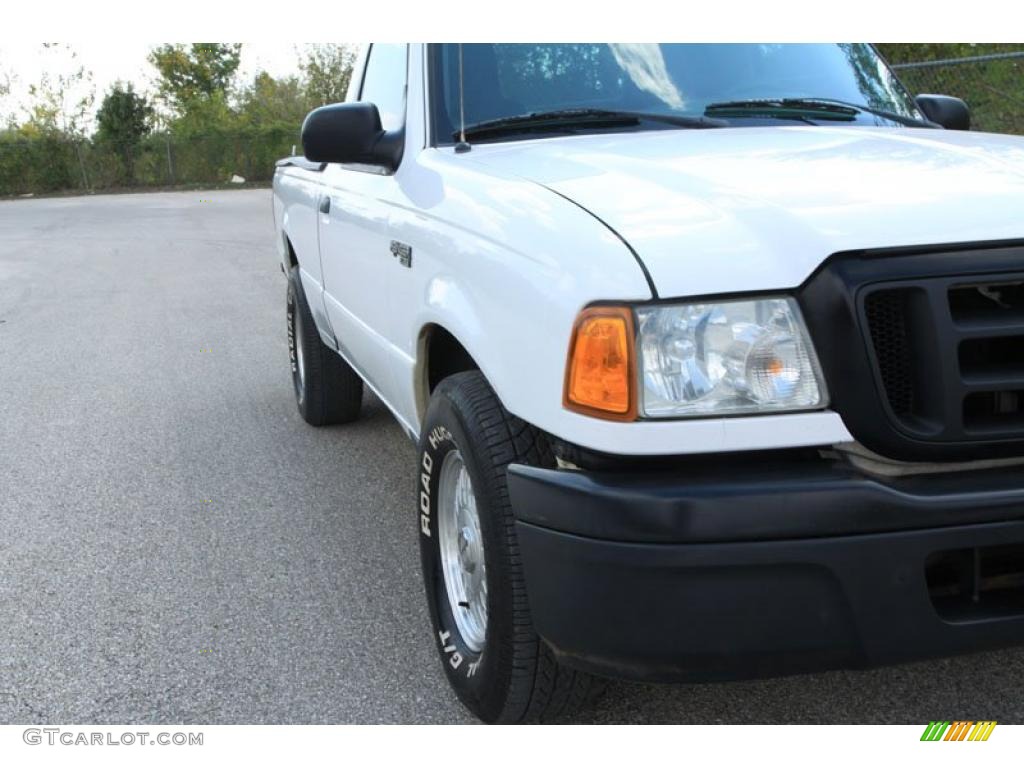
pixel 493 658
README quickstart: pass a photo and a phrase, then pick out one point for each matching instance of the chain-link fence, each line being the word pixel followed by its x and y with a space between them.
pixel 45 164
pixel 993 87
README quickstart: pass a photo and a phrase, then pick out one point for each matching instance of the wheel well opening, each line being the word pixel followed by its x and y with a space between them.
pixel 292 260
pixel 445 356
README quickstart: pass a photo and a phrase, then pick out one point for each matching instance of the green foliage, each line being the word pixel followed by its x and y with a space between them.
pixel 213 113
pixel 49 163
pixel 123 117
pixel 122 122
pixel 268 102
pixel 60 102
pixel 994 90
pixel 36 162
pixel 213 127
pixel 905 53
pixel 326 70
pixel 194 73
pixel 7 116
pixel 217 155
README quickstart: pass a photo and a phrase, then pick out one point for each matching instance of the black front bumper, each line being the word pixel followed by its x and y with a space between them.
pixel 763 570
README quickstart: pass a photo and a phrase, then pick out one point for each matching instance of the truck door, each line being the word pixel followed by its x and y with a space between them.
pixel 355 247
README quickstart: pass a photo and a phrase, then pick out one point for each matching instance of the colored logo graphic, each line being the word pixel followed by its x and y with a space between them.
pixel 959 730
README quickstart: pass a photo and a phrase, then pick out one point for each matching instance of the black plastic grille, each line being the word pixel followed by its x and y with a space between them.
pixel 949 356
pixel 886 313
pixel 923 350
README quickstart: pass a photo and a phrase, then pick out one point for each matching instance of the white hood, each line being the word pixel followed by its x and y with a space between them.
pixel 744 209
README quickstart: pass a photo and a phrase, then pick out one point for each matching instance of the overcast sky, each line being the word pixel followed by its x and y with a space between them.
pixel 25 63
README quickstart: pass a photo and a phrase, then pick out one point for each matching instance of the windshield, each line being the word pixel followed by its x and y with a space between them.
pixel 506 80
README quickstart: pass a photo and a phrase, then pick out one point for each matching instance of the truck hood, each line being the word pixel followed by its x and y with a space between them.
pixel 744 209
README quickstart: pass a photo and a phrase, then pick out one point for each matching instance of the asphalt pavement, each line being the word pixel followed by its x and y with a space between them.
pixel 178 546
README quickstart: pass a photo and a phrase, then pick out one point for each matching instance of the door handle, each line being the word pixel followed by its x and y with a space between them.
pixel 325 204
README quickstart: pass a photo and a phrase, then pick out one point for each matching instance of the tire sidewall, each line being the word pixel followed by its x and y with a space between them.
pixel 294 308
pixel 480 680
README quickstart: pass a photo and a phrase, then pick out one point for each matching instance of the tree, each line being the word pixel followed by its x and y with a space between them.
pixel 269 102
pixel 6 112
pixel 58 109
pixel 196 72
pixel 62 99
pixel 326 71
pixel 123 121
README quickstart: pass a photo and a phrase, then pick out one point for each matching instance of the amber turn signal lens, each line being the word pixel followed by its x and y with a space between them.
pixel 601 367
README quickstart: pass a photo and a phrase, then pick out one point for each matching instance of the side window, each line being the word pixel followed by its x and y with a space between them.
pixel 384 82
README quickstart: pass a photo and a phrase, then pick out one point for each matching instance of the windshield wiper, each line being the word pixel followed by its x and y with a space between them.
pixel 567 119
pixel 791 109
pixel 894 116
pixel 822 108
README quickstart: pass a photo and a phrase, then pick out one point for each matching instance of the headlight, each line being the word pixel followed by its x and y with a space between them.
pixel 726 357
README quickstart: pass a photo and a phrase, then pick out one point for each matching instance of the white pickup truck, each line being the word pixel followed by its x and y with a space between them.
pixel 714 355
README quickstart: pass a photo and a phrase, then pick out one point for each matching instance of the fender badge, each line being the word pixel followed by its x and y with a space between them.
pixel 402 252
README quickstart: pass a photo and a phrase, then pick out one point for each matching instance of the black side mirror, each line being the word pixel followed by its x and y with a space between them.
pixel 947 111
pixel 350 133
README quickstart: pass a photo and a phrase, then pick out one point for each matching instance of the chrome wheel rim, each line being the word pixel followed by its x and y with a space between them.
pixel 462 551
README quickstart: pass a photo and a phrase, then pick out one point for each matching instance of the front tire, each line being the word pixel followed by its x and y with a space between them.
pixel 327 390
pixel 493 659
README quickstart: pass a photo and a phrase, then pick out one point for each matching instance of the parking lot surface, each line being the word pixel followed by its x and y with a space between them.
pixel 178 546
